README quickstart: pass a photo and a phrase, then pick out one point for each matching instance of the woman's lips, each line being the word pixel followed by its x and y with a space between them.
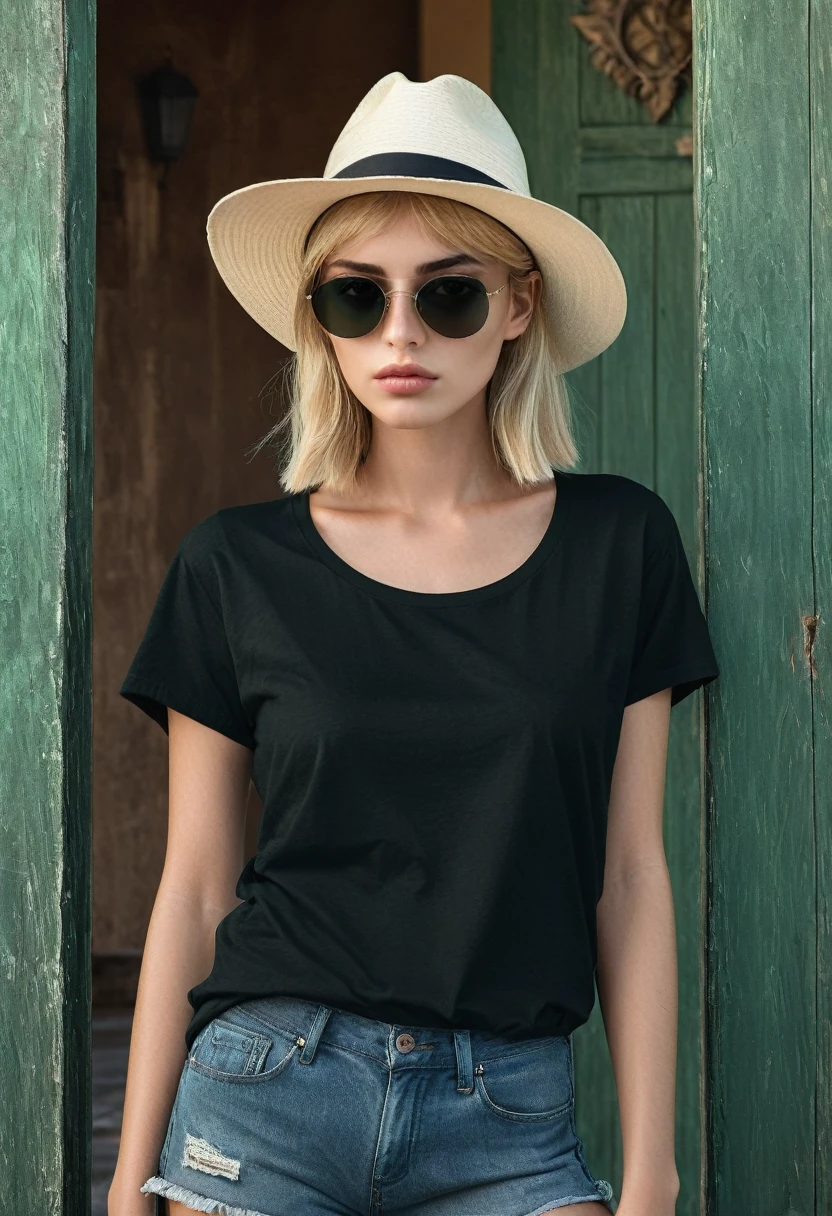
pixel 404 384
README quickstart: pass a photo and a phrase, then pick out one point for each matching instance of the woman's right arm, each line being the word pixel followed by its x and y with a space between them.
pixel 209 779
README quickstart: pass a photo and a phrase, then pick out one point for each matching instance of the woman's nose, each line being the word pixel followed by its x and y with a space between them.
pixel 402 318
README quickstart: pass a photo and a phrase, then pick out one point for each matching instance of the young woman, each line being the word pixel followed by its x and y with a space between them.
pixel 448 666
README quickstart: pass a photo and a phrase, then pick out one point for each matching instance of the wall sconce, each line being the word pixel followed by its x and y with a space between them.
pixel 167 100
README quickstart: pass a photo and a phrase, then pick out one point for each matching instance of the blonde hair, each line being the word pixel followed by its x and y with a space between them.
pixel 329 430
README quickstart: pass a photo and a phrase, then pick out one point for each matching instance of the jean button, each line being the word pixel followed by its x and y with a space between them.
pixel 405 1042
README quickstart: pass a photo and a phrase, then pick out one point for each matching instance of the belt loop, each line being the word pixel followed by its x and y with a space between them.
pixel 465 1068
pixel 311 1041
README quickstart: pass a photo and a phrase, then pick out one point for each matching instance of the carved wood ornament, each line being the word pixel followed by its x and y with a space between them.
pixel 643 45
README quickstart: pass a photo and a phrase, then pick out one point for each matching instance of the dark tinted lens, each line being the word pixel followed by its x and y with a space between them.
pixel 348 307
pixel 455 306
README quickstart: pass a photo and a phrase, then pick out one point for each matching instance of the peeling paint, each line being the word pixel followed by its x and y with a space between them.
pixel 810 627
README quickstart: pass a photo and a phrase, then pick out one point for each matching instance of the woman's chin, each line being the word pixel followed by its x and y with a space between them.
pixel 408 412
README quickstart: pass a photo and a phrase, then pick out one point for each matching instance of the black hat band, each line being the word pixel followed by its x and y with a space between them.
pixel 415 164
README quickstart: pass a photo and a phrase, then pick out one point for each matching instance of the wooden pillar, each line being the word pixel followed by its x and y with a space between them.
pixel 47 218
pixel 763 183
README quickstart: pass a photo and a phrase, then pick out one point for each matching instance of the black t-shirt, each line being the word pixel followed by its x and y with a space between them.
pixel 434 768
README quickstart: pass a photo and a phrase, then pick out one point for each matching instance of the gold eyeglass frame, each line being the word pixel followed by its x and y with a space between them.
pixel 402 292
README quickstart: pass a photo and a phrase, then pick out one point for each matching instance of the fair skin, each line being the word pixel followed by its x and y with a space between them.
pixel 434 512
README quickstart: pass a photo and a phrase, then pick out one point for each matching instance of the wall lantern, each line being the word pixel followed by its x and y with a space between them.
pixel 167 100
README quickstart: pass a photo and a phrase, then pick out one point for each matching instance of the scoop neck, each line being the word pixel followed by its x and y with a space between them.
pixel 436 599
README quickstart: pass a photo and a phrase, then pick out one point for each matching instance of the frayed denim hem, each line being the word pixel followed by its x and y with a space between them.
pixel 605 1195
pixel 199 1203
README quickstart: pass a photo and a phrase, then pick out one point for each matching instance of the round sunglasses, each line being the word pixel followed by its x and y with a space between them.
pixel 350 306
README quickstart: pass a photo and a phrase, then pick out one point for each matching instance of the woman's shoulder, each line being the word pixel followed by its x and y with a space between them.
pixel 635 512
pixel 231 531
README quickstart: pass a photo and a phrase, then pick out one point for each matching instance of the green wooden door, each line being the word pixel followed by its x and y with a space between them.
pixel 594 151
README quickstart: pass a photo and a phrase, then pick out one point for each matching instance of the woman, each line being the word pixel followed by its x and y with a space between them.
pixel 448 667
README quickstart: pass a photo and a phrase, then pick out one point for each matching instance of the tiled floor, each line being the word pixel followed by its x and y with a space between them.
pixel 110 1045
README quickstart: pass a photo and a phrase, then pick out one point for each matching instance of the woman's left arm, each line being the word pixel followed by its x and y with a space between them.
pixel 637 973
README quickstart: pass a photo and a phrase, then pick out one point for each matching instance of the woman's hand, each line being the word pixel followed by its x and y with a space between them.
pixel 653 1198
pixel 126 1199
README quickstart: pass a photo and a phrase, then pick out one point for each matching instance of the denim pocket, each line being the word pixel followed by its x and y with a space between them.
pixel 235 1053
pixel 527 1085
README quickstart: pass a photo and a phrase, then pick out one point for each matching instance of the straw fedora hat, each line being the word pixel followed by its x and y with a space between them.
pixel 444 136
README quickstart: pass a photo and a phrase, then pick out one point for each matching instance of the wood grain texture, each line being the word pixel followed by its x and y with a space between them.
pixel 594 151
pixel 635 175
pixel 47 206
pixel 632 141
pixel 455 36
pixel 628 443
pixel 818 660
pixel 767 496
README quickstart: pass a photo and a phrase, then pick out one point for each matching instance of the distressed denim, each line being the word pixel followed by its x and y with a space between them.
pixel 286 1107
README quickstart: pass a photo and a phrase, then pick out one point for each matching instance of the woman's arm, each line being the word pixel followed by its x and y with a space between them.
pixel 209 779
pixel 637 968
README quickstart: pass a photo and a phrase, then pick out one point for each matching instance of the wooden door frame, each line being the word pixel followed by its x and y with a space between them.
pixel 47 272
pixel 762 168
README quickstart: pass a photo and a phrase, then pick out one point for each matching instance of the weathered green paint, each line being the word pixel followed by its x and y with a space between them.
pixel 820 159
pixel 762 179
pixel 47 214
pixel 620 175
pixel 658 142
pixel 594 151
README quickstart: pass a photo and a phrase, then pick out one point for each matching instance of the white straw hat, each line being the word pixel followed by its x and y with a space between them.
pixel 444 136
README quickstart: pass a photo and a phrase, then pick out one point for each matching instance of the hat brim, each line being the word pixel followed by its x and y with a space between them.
pixel 256 237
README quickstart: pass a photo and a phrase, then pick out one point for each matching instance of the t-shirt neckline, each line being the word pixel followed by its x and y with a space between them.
pixel 437 599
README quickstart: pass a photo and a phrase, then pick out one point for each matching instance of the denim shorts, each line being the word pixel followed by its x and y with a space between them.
pixel 287 1107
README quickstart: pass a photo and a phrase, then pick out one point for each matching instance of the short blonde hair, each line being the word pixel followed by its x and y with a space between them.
pixel 329 430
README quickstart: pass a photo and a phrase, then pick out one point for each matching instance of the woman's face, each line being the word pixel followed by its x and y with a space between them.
pixel 402 259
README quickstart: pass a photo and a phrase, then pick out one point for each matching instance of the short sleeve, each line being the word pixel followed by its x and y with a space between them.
pixel 184 660
pixel 672 644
